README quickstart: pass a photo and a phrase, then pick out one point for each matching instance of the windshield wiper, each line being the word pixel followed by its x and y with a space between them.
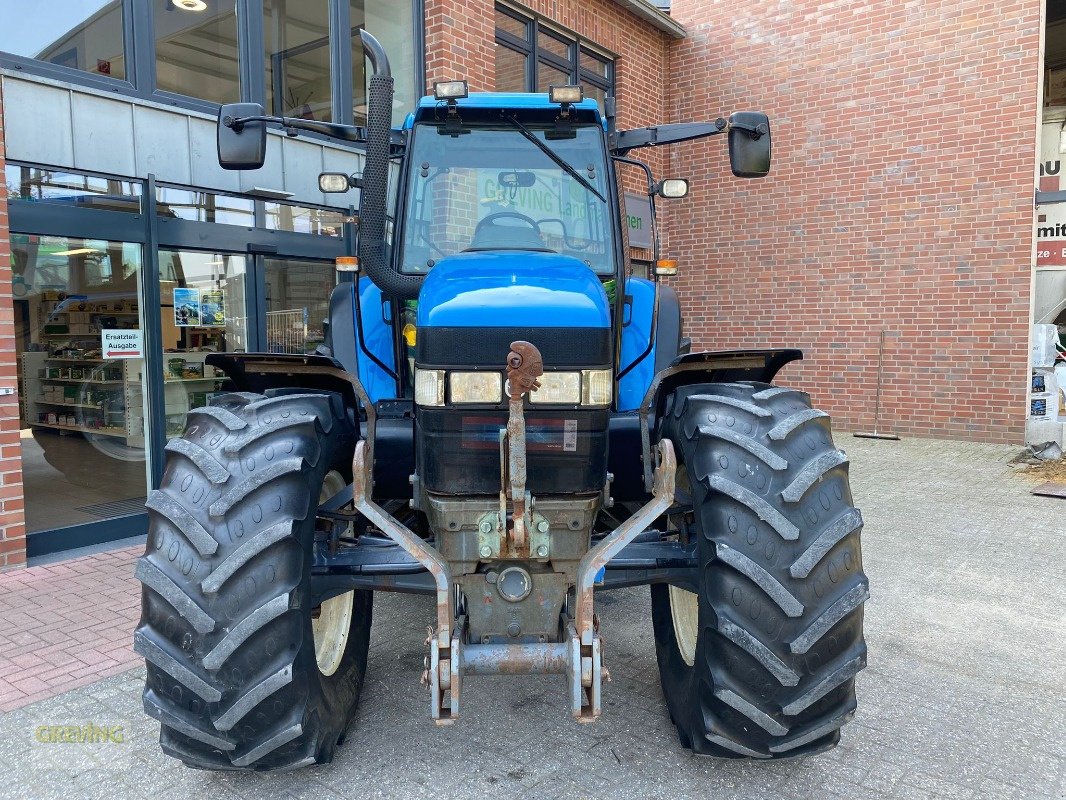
pixel 573 173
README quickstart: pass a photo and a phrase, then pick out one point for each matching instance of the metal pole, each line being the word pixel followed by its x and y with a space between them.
pixel 876 432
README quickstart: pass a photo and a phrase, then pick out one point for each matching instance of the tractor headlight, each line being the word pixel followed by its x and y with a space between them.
pixel 558 388
pixel 597 387
pixel 429 387
pixel 475 387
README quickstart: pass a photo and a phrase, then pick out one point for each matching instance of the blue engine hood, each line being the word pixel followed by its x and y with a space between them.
pixel 512 288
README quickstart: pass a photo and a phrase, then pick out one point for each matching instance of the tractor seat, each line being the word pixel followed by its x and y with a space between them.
pixel 507 237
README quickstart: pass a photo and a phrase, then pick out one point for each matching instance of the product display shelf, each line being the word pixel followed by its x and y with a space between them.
pixel 93 406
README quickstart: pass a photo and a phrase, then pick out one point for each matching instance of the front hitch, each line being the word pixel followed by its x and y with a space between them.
pixel 580 655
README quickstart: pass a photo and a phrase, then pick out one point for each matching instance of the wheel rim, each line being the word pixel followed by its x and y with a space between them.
pixel 334 620
pixel 684 605
pixel 685 611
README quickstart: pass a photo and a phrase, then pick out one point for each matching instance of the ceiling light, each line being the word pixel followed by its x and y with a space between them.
pixel 190 5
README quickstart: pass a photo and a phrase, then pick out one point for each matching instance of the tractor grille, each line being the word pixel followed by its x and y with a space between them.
pixel 486 347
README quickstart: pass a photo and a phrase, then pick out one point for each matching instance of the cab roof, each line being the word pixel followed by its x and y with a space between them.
pixel 588 110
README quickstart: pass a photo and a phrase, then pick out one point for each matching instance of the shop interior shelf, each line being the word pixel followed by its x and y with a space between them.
pixel 120 432
pixel 78 360
pixel 82 380
pixel 186 380
pixel 97 406
pixel 96 311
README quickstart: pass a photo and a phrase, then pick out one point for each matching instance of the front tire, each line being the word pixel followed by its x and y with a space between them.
pixel 761 663
pixel 242 673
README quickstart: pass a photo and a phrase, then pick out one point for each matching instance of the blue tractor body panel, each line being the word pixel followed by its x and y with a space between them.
pixel 376 335
pixel 512 289
pixel 636 333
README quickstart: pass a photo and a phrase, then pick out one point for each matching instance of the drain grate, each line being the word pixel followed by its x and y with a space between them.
pixel 114 508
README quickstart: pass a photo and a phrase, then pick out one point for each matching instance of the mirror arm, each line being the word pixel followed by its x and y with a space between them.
pixel 655 135
pixel 347 133
pixel 754 131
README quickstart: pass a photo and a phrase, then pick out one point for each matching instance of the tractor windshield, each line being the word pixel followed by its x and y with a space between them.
pixel 492 188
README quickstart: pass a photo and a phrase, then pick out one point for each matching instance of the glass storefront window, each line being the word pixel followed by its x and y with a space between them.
pixel 548 76
pixel 81 34
pixel 39 184
pixel 82 411
pixel 304 219
pixel 597 65
pixel 205 206
pixel 558 58
pixel 510 24
pixel 296 33
pixel 595 92
pixel 393 24
pixel 297 295
pixel 203 311
pixel 510 69
pixel 196 50
pixel 555 46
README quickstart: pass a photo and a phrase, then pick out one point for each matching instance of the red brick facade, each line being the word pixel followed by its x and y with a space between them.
pixel 12 517
pixel 900 197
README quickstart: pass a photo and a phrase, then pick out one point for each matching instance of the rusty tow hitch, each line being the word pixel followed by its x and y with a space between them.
pixel 524 366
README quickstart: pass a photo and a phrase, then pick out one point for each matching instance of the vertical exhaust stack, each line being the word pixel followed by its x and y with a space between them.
pixel 373 199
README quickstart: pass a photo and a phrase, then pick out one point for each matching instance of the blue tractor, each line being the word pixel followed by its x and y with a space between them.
pixel 507 419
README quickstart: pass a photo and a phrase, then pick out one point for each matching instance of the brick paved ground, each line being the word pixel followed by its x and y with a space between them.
pixel 65 625
pixel 963 697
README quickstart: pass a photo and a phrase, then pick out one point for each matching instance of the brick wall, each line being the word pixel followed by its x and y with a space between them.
pixel 900 197
pixel 12 518
pixel 460 43
pixel 460 37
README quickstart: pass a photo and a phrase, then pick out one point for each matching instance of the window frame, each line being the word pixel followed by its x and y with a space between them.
pixel 536 55
pixel 138 41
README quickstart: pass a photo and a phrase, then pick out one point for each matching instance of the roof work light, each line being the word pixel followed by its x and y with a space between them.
pixel 450 90
pixel 565 94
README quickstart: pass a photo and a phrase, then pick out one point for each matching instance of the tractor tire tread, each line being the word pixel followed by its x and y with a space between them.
pixel 232 676
pixel 781 587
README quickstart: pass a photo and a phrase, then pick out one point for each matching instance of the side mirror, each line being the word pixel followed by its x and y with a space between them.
pixel 749 144
pixel 672 188
pixel 241 145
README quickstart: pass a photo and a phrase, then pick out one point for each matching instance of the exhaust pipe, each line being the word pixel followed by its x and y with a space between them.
pixel 373 197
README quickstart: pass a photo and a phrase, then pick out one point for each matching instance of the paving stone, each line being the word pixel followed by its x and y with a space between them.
pixel 962 698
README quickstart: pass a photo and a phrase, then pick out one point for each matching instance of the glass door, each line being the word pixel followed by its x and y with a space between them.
pixel 203 310
pixel 80 348
pixel 297 303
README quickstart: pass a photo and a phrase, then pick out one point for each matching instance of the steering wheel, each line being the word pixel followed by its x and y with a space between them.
pixel 490 236
pixel 491 220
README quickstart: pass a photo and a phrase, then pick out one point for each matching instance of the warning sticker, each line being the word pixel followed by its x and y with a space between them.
pixel 570 435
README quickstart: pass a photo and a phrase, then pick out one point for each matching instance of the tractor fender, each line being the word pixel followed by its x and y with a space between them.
pixel 723 366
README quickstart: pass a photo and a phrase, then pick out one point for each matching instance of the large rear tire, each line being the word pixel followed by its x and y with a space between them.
pixel 242 672
pixel 761 663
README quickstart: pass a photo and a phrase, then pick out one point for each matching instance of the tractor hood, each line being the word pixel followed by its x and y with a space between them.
pixel 512 289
